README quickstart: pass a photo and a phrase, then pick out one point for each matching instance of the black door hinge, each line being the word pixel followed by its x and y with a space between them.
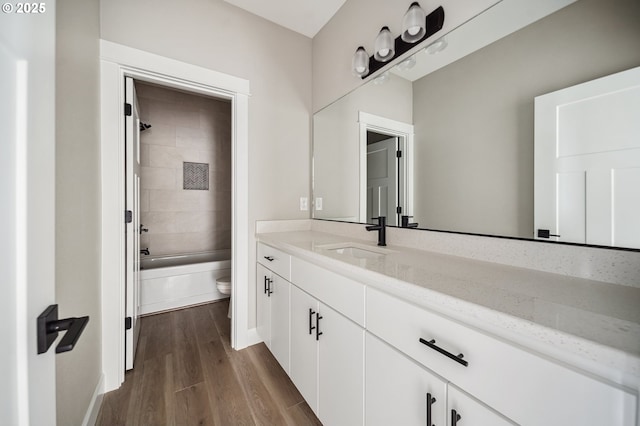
pixel 398 209
pixel 127 323
pixel 127 109
pixel 398 154
pixel 128 216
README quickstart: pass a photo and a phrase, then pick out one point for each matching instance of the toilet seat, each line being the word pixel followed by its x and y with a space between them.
pixel 224 284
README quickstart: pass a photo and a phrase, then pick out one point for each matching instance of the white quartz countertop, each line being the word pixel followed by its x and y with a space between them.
pixel 589 324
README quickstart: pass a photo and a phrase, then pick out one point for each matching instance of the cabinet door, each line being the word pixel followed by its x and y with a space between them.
pixel 263 308
pixel 464 410
pixel 340 369
pixel 280 320
pixel 397 389
pixel 304 348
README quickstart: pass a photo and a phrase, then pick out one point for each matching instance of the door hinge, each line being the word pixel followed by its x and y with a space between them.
pixel 127 109
pixel 398 154
pixel 398 209
pixel 127 323
pixel 128 216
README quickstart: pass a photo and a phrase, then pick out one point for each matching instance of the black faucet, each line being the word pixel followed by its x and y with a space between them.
pixel 381 228
pixel 144 251
pixel 405 222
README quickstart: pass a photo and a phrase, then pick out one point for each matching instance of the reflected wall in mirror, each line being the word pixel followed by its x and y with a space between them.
pixel 473 119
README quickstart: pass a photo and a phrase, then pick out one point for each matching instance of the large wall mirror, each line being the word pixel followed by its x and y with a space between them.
pixel 463 112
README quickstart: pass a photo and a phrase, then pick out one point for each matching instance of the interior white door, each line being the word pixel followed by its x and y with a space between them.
pixel 382 180
pixel 132 171
pixel 587 162
pixel 27 212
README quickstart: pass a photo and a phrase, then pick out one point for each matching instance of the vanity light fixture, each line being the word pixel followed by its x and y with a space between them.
pixel 414 23
pixel 416 28
pixel 384 46
pixel 360 62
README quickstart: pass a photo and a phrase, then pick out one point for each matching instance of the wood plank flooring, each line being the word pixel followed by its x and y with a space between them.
pixel 187 374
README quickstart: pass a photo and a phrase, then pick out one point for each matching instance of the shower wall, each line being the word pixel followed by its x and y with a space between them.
pixel 186 128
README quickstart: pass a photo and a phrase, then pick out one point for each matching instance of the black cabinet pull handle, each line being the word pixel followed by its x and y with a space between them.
pixel 311 326
pixel 455 417
pixel 269 291
pixel 318 332
pixel 265 284
pixel 269 258
pixel 430 401
pixel 457 358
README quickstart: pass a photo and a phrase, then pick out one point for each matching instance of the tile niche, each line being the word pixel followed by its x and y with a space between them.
pixel 186 129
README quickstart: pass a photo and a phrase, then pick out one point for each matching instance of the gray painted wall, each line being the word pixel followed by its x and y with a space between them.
pixel 474 145
pixel 78 201
pixel 276 61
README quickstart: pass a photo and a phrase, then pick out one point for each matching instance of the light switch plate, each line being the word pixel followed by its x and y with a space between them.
pixel 319 203
pixel 304 203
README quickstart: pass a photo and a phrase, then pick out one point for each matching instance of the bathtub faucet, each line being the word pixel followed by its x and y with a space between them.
pixel 145 251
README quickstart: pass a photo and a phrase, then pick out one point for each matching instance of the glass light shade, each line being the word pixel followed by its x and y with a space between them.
pixel 360 62
pixel 384 46
pixel 414 24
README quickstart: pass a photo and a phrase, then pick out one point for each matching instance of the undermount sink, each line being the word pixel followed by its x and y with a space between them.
pixel 355 250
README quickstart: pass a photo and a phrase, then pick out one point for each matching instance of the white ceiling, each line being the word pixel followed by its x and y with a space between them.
pixel 302 16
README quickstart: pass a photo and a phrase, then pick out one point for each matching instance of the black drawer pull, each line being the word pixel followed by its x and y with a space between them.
pixel 311 326
pixel 318 332
pixel 430 401
pixel 269 258
pixel 455 417
pixel 457 358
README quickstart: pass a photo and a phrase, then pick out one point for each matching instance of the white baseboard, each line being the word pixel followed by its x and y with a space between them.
pixel 93 410
pixel 252 337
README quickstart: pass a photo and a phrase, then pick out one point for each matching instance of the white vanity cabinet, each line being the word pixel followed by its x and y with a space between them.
pixel 327 353
pixel 272 301
pixel 399 391
pixel 272 309
pixel 527 388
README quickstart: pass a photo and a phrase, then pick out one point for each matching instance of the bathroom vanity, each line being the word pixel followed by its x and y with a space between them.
pixel 395 335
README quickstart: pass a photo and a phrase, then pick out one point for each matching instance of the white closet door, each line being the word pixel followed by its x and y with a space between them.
pixel 587 162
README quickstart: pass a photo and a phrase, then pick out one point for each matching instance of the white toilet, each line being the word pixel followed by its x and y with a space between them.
pixel 224 287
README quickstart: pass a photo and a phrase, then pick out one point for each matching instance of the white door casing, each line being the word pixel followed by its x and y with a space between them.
pixel 118 61
pixel 382 180
pixel 587 162
pixel 27 197
pixel 132 191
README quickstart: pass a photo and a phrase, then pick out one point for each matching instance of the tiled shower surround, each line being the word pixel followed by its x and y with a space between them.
pixel 185 128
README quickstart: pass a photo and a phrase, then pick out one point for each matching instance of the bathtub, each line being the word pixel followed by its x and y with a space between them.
pixel 171 282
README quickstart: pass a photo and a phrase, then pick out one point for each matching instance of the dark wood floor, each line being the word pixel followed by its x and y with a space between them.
pixel 187 374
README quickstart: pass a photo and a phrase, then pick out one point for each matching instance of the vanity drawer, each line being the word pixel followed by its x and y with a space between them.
pixel 275 260
pixel 525 387
pixel 342 294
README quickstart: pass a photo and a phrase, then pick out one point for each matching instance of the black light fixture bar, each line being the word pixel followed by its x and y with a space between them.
pixel 434 23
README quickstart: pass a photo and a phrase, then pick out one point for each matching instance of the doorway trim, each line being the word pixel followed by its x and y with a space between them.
pixel 404 133
pixel 116 62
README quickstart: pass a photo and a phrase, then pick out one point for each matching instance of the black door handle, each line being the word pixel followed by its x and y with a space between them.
pixel 49 325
